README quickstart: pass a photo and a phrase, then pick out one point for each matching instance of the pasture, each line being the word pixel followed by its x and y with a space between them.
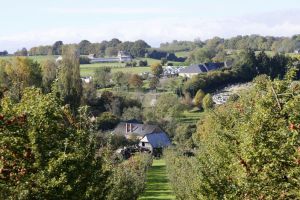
pixel 35 58
pixel 88 69
pixel 182 53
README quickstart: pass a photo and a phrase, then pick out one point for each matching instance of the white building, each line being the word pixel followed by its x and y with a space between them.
pixel 122 57
pixel 87 79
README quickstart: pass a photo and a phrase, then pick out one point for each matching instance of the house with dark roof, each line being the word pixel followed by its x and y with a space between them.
pixel 200 68
pixel 151 137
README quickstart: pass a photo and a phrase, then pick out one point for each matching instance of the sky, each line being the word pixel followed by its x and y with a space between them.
pixel 39 22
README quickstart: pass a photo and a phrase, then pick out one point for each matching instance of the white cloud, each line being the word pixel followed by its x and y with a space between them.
pixel 111 10
pixel 159 30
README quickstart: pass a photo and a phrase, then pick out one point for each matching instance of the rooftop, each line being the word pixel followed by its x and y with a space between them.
pixel 136 128
pixel 202 68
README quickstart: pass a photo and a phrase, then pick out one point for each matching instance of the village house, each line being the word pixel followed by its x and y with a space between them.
pixel 200 68
pixel 297 51
pixel 150 137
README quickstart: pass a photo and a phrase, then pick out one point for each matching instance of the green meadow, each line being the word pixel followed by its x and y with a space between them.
pixel 191 116
pixel 88 69
pixel 157 185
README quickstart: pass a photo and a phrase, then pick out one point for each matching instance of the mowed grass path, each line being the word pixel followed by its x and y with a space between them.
pixel 189 117
pixel 157 186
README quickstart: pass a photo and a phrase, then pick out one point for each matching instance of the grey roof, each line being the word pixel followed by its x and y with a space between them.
pixel 213 66
pixel 193 69
pixel 95 60
pixel 158 140
pixel 202 68
pixel 136 128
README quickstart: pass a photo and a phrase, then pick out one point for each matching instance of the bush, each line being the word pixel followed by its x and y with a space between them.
pixel 199 98
pixel 207 102
pixel 107 121
pixel 128 178
pixel 84 60
pixel 143 63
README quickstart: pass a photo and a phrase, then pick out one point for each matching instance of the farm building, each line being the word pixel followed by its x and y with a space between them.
pixel 122 57
pixel 297 51
pixel 200 68
pixel 150 137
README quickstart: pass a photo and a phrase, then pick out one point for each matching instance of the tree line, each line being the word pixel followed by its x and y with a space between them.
pixel 255 42
pixel 244 68
pixel 105 48
pixel 110 48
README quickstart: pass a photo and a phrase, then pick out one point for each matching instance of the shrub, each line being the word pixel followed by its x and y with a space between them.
pixel 128 178
pixel 107 121
pixel 207 102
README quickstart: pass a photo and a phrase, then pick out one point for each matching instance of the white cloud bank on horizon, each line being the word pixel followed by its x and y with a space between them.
pixel 112 10
pixel 155 31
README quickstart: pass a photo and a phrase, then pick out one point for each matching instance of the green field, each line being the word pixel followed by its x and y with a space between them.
pixel 88 69
pixel 157 186
pixel 182 53
pixel 35 58
pixel 151 61
pixel 190 116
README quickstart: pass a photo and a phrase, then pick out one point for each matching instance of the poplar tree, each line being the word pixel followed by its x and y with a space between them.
pixel 69 84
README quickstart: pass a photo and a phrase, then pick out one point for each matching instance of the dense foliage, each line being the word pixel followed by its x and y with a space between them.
pixel 246 149
pixel 69 85
pixel 45 152
pixel 105 48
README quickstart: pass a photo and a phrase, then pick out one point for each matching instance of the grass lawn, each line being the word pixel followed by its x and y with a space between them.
pixel 182 53
pixel 151 61
pixel 88 69
pixel 35 58
pixel 190 116
pixel 157 186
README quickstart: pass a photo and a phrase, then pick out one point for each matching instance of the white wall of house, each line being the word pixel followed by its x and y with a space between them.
pixel 144 143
